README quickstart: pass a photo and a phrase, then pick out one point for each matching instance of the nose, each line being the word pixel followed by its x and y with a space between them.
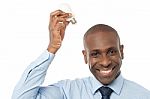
pixel 105 61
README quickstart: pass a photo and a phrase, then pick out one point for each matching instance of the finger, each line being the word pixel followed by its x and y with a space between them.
pixel 59 13
pixel 60 25
pixel 60 29
pixel 58 20
pixel 62 33
pixel 57 16
pixel 55 13
pixel 54 21
pixel 61 19
pixel 64 18
pixel 64 15
pixel 66 22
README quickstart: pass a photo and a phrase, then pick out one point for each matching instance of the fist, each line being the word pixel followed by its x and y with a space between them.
pixel 57 26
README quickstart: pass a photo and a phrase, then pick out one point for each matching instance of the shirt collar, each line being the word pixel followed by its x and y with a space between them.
pixel 116 85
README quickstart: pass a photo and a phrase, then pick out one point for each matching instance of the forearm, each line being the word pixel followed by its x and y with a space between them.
pixel 33 77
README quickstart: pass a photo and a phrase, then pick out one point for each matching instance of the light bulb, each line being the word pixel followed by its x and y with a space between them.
pixel 66 8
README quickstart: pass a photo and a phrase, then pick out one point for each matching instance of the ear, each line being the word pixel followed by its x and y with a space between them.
pixel 85 56
pixel 121 50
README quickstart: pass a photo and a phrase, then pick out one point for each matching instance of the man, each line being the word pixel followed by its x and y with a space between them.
pixel 103 53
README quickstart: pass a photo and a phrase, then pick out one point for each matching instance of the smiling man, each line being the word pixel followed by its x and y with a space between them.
pixel 102 52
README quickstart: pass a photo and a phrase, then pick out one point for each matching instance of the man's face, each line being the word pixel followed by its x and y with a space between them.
pixel 104 55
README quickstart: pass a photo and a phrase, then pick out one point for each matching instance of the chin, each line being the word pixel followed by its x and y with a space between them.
pixel 105 81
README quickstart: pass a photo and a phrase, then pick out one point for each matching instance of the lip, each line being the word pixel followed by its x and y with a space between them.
pixel 106 72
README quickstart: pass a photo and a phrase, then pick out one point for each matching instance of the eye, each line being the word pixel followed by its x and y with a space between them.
pixel 94 54
pixel 112 52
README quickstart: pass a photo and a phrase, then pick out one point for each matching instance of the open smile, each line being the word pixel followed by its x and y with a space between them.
pixel 106 72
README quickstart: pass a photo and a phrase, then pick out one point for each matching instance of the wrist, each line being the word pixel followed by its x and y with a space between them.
pixel 52 49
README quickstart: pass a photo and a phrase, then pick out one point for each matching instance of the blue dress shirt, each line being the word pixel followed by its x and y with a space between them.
pixel 29 86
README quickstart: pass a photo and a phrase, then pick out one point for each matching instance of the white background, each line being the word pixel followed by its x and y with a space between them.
pixel 24 36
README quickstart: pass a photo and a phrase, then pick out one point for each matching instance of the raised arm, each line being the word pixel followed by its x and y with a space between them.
pixel 29 86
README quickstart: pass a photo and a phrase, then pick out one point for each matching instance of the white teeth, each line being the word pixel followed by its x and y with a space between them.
pixel 106 71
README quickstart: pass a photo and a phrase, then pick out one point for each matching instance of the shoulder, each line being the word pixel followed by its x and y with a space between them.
pixel 69 87
pixel 77 81
pixel 135 88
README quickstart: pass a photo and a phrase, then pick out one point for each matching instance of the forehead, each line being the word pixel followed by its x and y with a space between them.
pixel 101 40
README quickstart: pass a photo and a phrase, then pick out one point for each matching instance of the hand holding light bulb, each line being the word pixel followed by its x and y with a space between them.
pixel 59 20
pixel 57 26
pixel 66 8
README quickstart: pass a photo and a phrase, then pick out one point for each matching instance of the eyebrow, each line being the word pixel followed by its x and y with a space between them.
pixel 95 50
pixel 98 50
pixel 112 48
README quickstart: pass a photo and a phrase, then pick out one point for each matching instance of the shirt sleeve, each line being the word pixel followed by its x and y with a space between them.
pixel 29 85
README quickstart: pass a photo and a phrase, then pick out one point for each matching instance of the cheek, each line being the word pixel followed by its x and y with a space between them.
pixel 117 60
pixel 92 62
